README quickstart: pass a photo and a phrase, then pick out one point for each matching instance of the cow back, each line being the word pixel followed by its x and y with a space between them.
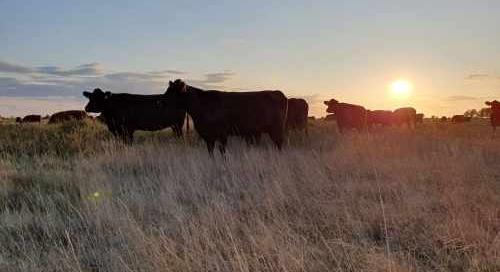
pixel 218 114
pixel 64 116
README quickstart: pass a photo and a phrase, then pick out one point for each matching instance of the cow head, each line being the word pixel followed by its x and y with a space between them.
pixel 97 100
pixel 331 105
pixel 495 105
pixel 176 87
pixel 176 94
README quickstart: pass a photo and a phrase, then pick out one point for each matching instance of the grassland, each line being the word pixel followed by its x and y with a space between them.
pixel 73 199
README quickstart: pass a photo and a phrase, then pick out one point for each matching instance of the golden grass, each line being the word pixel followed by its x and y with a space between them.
pixel 389 200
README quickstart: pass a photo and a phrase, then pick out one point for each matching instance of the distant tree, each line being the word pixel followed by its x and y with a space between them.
pixel 470 113
pixel 484 112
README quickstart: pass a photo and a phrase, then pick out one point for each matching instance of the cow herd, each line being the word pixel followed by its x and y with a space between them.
pixel 349 116
pixel 55 118
pixel 217 115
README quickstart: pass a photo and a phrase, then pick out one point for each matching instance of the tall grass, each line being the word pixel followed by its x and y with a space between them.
pixel 387 200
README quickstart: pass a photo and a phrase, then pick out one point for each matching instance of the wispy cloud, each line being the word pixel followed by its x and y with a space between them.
pixel 460 98
pixel 477 76
pixel 90 69
pixel 7 67
pixel 212 80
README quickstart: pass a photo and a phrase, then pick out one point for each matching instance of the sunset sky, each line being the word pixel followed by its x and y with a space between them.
pixel 449 51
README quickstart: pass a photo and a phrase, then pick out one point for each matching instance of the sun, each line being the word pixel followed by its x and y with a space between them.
pixel 401 88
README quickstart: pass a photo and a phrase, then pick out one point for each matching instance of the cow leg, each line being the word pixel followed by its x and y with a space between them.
pixel 222 146
pixel 177 130
pixel 210 146
pixel 277 138
pixel 127 136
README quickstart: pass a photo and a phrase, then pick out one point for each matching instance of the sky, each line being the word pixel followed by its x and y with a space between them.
pixel 52 51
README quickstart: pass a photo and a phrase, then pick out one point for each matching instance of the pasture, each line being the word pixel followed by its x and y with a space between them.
pixel 74 199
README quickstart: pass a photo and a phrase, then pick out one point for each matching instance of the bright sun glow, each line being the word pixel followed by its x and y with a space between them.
pixel 401 88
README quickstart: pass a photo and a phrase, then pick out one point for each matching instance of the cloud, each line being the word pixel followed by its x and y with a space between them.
pixel 460 98
pixel 218 77
pixel 8 82
pixel 477 76
pixel 212 80
pixel 130 76
pixel 171 72
pixel 17 81
pixel 90 69
pixel 8 67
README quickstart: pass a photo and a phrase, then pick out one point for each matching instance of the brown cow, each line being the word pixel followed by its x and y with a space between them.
pixel 495 113
pixel 64 116
pixel 379 117
pixel 406 116
pixel 125 113
pixel 456 119
pixel 420 118
pixel 217 115
pixel 32 118
pixel 348 116
pixel 297 114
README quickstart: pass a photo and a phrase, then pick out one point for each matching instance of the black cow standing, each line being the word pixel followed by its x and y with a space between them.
pixel 298 111
pixel 125 113
pixel 217 115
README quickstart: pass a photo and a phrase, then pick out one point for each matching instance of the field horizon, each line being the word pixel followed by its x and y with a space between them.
pixel 74 199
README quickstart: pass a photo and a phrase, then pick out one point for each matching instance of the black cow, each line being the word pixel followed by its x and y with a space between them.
pixel 125 113
pixel 459 118
pixel 64 116
pixel 297 114
pixel 32 118
pixel 217 115
pixel 348 116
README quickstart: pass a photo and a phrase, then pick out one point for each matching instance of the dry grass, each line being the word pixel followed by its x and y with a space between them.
pixel 71 199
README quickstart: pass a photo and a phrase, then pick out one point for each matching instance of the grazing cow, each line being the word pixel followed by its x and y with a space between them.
pixel 348 116
pixel 297 114
pixel 495 113
pixel 64 116
pixel 379 117
pixel 217 115
pixel 32 118
pixel 406 116
pixel 456 119
pixel 125 113
pixel 420 118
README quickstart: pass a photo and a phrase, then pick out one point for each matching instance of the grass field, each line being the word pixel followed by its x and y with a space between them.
pixel 72 199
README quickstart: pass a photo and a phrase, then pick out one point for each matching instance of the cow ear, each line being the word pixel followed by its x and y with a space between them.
pixel 86 94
